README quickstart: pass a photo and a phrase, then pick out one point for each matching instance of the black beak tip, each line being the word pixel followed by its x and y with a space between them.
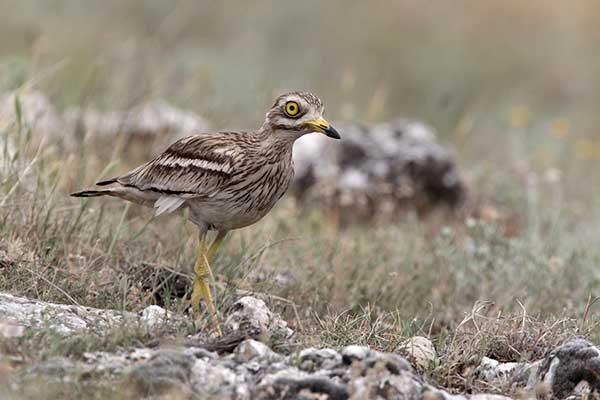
pixel 332 133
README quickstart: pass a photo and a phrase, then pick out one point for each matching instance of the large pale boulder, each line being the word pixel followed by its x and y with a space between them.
pixel 377 169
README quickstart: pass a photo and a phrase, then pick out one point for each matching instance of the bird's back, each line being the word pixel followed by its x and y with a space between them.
pixel 227 180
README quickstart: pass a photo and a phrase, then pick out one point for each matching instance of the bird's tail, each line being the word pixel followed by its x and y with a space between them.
pixel 92 193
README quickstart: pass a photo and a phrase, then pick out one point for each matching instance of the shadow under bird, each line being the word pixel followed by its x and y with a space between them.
pixel 227 180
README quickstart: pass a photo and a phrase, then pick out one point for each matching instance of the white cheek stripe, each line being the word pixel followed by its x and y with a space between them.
pixel 198 163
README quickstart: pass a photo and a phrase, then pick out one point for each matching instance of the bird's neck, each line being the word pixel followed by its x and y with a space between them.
pixel 276 142
pixel 279 138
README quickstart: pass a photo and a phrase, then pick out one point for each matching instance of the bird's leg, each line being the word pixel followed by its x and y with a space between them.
pixel 212 250
pixel 201 284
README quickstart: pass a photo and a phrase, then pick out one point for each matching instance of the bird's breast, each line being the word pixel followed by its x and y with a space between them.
pixel 248 197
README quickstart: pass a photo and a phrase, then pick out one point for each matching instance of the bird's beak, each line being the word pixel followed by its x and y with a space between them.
pixel 321 125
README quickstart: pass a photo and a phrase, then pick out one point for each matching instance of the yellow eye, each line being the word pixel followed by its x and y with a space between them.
pixel 292 108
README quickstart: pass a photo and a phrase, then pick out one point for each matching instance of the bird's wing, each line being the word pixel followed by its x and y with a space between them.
pixel 195 166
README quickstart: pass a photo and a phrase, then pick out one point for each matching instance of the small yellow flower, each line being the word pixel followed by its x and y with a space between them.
pixel 556 264
pixel 519 116
pixel 586 149
pixel 561 127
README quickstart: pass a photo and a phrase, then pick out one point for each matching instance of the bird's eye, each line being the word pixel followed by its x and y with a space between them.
pixel 292 108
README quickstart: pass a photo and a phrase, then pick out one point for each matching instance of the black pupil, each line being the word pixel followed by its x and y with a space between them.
pixel 292 108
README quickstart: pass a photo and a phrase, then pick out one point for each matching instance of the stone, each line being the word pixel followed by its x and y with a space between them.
pixel 419 351
pixel 211 380
pixel 166 371
pixel 250 349
pixel 568 366
pixel 155 316
pixel 252 315
pixel 509 375
pixel 7 153
pixel 377 169
pixel 155 122
pixel 62 319
pixel 22 314
pixel 199 352
pixel 312 359
pixel 391 362
pixel 55 367
pixel 11 330
pixel 37 113
pixel 252 370
pixel 354 352
pixel 313 387
pixel 568 371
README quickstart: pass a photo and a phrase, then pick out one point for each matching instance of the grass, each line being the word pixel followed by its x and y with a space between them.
pixel 510 276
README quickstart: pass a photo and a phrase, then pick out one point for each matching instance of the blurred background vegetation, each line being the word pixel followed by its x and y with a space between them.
pixel 468 68
pixel 512 86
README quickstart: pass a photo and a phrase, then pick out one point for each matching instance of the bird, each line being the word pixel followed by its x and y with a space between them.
pixel 225 180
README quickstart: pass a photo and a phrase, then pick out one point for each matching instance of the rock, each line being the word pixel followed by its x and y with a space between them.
pixel 510 377
pixel 419 351
pixel 377 169
pixel 391 362
pixel 502 375
pixel 167 371
pixel 37 113
pixel 213 380
pixel 159 117
pixel 36 116
pixel 55 367
pixel 305 388
pixel 199 352
pixel 21 314
pixel 567 367
pixel 155 316
pixel 11 330
pixel 250 349
pixel 63 319
pixel 7 152
pixel 312 359
pixel 255 371
pixel 353 353
pixel 155 122
pixel 566 372
pixel 193 372
pixel 251 315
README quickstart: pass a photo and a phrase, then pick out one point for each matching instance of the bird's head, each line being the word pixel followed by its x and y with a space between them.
pixel 298 113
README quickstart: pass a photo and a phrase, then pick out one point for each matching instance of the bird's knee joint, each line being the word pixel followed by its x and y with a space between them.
pixel 202 274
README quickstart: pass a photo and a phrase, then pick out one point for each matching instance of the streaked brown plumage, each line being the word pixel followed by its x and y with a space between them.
pixel 227 180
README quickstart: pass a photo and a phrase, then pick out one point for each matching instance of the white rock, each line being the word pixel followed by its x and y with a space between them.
pixel 155 119
pixel 252 314
pixel 494 371
pixel 70 319
pixel 313 359
pixel 211 379
pixel 250 349
pixel 11 330
pixel 420 352
pixel 355 352
pixel 289 373
pixel 154 316
pixel 37 113
pixel 389 163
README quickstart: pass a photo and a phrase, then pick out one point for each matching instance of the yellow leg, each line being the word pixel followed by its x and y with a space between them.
pixel 215 246
pixel 202 277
